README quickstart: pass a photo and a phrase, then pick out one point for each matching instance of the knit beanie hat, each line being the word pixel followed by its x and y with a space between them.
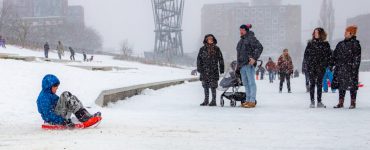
pixel 246 27
pixel 352 29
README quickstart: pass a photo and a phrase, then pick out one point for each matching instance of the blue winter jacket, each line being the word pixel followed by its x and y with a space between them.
pixel 47 101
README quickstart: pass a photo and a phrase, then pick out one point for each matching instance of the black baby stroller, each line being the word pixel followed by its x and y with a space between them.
pixel 231 80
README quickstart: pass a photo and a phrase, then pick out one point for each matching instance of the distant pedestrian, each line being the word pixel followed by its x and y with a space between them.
pixel 85 56
pixel 271 67
pixel 296 74
pixel 46 50
pixel 262 71
pixel 72 57
pixel 60 49
pixel 2 42
pixel 285 67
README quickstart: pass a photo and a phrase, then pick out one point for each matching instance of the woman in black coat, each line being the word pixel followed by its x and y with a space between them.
pixel 210 64
pixel 346 60
pixel 317 58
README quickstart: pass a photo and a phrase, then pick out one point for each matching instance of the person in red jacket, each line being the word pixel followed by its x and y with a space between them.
pixel 285 68
pixel 271 67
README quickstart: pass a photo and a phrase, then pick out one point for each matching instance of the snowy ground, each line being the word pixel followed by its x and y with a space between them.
pixel 171 118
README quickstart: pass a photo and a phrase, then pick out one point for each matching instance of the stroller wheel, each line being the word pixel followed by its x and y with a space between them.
pixel 222 102
pixel 233 103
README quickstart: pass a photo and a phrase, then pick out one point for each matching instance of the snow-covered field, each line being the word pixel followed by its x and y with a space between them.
pixel 171 118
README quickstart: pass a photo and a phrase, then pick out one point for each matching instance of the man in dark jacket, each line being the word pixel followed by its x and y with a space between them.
pixel 210 64
pixel 249 50
pixel 346 60
pixel 46 50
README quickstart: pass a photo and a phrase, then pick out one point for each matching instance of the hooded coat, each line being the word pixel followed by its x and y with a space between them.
pixel 47 101
pixel 210 64
pixel 347 60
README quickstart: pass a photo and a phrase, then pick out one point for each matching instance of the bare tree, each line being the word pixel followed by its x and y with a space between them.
pixel 21 29
pixel 327 18
pixel 126 49
pixel 4 16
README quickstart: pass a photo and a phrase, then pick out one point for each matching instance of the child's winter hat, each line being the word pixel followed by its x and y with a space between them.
pixel 246 27
pixel 352 29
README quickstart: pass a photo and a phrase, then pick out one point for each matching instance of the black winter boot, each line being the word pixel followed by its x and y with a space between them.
pixel 205 103
pixel 83 115
pixel 213 103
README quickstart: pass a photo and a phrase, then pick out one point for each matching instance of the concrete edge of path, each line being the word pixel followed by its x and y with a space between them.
pixel 114 95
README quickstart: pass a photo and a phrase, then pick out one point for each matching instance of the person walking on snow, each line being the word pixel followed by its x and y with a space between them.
pixel 57 110
pixel 210 64
pixel 346 63
pixel 270 67
pixel 285 68
pixel 261 70
pixel 2 42
pixel 84 55
pixel 46 50
pixel 60 49
pixel 72 57
pixel 249 50
pixel 317 56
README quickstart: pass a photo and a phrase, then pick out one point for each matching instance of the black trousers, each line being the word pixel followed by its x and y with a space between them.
pixel 283 76
pixel 209 85
pixel 342 94
pixel 316 81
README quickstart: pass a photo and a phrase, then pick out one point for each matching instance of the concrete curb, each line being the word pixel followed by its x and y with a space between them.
pixel 114 95
pixel 101 68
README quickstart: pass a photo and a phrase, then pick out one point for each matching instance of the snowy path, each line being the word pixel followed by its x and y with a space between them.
pixel 172 119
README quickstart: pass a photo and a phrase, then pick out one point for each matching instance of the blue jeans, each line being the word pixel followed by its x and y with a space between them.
pixel 248 72
pixel 271 76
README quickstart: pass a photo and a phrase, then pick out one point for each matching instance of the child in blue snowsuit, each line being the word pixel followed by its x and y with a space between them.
pixel 57 110
pixel 328 76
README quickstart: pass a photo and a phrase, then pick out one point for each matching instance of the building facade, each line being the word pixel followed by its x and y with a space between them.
pixel 45 12
pixel 276 26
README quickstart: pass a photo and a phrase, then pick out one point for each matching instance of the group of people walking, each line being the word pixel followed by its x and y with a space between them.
pixel 60 51
pixel 318 65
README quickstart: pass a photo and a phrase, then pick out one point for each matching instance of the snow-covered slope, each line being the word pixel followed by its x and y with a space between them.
pixel 171 118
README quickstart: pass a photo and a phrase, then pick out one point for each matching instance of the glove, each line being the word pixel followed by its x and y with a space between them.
pixel 69 124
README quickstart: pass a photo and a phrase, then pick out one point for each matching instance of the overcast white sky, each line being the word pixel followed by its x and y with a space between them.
pixel 117 20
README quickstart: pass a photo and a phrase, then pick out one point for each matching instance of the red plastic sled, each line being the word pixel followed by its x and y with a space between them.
pixel 361 85
pixel 94 121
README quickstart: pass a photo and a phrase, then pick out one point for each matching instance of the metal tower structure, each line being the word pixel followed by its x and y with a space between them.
pixel 168 16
